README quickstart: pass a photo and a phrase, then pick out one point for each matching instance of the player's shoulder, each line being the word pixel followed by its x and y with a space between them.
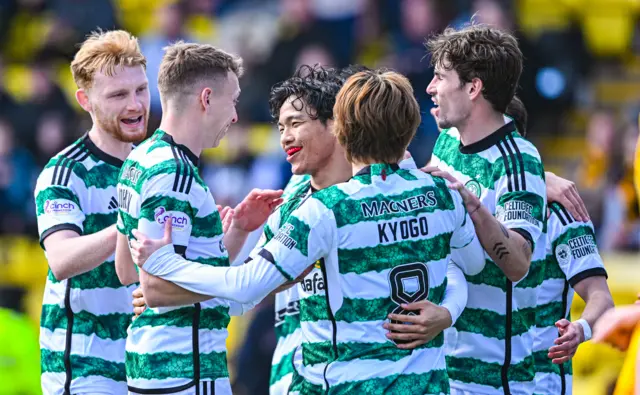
pixel 296 185
pixel 523 148
pixel 560 219
pixel 64 166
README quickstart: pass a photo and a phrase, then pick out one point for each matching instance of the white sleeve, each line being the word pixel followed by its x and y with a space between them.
pixel 246 284
pixel 466 249
pixel 456 293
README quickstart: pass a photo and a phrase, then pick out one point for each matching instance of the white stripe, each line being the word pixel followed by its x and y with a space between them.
pixel 281 387
pixel 149 159
pixel 358 332
pixel 92 345
pixel 97 301
pixel 418 362
pixel 53 384
pixel 550 383
pixel 155 339
pixel 551 291
pixel 519 388
pixel 155 383
pixel 286 345
pixel 490 349
pixel 544 338
pixel 374 285
pixel 494 299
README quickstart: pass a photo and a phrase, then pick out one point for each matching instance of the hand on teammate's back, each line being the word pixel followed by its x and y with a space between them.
pixel 566 193
pixel 471 201
pixel 139 304
pixel 417 330
pixel 254 210
pixel 571 335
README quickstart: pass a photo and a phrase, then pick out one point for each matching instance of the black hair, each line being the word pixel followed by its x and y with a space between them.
pixel 314 89
pixel 350 70
pixel 518 112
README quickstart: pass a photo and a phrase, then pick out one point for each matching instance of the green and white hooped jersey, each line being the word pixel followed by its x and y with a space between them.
pixel 287 305
pixel 572 256
pixel 84 319
pixel 171 349
pixel 382 239
pixel 493 350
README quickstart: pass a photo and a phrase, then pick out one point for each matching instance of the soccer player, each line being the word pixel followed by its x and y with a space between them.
pixel 86 311
pixel 382 239
pixel 181 349
pixel 501 179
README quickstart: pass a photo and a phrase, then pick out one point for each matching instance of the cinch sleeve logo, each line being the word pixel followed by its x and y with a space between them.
pixel 59 207
pixel 179 221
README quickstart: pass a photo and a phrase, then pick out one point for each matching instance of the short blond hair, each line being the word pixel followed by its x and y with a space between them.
pixel 185 64
pixel 104 51
pixel 376 116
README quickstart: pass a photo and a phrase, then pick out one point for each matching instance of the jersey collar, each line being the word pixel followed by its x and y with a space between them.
pixel 378 169
pixel 100 154
pixel 488 141
pixel 169 139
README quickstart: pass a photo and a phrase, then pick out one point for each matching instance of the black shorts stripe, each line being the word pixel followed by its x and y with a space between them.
pixel 523 178
pixel 507 166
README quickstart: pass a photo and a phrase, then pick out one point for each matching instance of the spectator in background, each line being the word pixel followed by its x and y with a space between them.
pixel 17 180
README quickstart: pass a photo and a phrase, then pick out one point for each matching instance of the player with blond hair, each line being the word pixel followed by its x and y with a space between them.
pixel 86 311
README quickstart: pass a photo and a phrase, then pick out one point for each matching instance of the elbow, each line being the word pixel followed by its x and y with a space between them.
pixel 151 300
pixel 125 277
pixel 58 270
pixel 517 273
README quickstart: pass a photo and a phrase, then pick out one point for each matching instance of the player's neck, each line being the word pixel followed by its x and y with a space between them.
pixel 335 171
pixel 479 126
pixel 109 144
pixel 183 131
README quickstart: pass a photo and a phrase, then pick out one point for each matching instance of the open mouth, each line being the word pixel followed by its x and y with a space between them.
pixel 132 121
pixel 292 151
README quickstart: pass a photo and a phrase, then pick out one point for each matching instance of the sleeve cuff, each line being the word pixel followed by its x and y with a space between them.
pixel 154 261
pixel 57 228
pixel 527 237
pixel 593 272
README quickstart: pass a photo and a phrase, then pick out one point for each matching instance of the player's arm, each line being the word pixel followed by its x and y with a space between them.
pixel 125 268
pixel 161 293
pixel 296 247
pixel 575 250
pixel 60 224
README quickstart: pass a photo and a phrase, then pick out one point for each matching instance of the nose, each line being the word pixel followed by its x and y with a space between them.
pixel 286 137
pixel 431 88
pixel 134 103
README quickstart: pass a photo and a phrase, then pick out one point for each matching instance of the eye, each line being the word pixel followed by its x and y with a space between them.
pixel 142 89
pixel 296 124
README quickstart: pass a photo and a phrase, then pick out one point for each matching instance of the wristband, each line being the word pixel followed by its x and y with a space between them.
pixel 586 328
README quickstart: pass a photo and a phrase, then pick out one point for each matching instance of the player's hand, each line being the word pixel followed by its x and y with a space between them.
pixel 142 247
pixel 565 192
pixel 571 335
pixel 616 326
pixel 418 329
pixel 139 304
pixel 471 201
pixel 254 210
pixel 226 215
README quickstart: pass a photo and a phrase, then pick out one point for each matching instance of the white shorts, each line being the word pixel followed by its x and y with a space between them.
pixel 218 387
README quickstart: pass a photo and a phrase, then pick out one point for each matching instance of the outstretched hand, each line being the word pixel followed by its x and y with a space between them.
pixel 471 201
pixel 254 210
pixel 566 193
pixel 571 335
pixel 142 246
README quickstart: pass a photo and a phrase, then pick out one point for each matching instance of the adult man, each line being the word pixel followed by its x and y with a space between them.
pixel 501 179
pixel 86 310
pixel 370 236
pixel 182 349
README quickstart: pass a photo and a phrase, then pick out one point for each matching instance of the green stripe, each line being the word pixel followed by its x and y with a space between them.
pixel 268 234
pixel 129 222
pixel 351 211
pixel 548 314
pixel 538 209
pixel 322 352
pixel 217 261
pixel 330 196
pixel 552 269
pixel 304 387
pixel 162 169
pixel 472 370
pixel 210 318
pixel 493 276
pixel 81 366
pixel 282 368
pixel 406 175
pixel 570 233
pixel 433 382
pixel 108 326
pixel 381 257
pixel 209 226
pixel 101 176
pixel 104 276
pixel 94 223
pixel 314 308
pixel 544 364
pixel 491 324
pixel 54 192
pixel 165 365
pixel 290 324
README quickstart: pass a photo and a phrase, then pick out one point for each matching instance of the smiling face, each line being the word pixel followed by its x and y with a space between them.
pixel 453 106
pixel 119 104
pixel 308 143
pixel 222 111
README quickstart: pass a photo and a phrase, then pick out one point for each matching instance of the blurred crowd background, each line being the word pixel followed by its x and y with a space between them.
pixel 581 86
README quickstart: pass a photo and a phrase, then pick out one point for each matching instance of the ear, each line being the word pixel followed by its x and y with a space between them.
pixel 474 88
pixel 83 99
pixel 206 98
